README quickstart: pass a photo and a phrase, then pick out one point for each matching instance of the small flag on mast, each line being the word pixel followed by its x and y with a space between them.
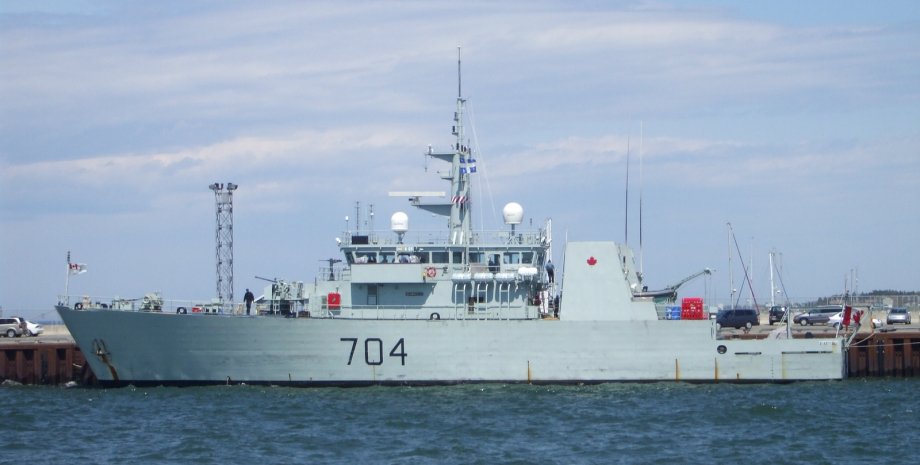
pixel 77 268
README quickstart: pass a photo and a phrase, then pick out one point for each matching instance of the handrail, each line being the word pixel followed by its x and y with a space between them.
pixel 367 312
pixel 438 237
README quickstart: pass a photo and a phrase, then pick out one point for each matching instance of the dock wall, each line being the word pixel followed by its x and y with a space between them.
pixel 893 353
pixel 44 363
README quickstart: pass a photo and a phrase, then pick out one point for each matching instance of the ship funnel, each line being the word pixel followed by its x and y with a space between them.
pixel 399 223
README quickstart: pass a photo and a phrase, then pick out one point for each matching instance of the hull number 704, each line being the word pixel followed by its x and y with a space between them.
pixel 373 350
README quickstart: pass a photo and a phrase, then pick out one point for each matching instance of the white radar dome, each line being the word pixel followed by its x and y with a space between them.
pixel 399 222
pixel 513 213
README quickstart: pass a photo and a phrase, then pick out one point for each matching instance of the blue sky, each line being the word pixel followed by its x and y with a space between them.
pixel 797 122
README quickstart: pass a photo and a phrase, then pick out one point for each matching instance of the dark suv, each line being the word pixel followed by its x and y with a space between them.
pixel 737 318
pixel 776 314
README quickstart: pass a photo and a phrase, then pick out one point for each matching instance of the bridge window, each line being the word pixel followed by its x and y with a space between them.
pixel 365 257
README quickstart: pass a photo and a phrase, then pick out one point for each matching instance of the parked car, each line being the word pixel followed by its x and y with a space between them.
pixel 836 320
pixel 33 329
pixel 898 315
pixel 777 314
pixel 12 327
pixel 737 318
pixel 817 315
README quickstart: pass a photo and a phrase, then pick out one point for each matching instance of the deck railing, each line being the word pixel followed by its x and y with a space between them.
pixel 425 237
pixel 300 308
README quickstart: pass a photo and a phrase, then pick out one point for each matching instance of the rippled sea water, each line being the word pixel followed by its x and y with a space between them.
pixel 851 422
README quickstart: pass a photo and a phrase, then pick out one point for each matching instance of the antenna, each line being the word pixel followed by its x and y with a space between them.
pixel 223 198
pixel 640 198
pixel 357 217
pixel 626 225
pixel 370 221
pixel 459 88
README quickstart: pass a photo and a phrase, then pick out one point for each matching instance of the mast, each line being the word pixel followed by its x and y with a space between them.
pixel 641 269
pixel 224 239
pixel 731 279
pixel 459 76
pixel 457 204
pixel 626 214
pixel 772 288
pixel 66 300
pixel 460 227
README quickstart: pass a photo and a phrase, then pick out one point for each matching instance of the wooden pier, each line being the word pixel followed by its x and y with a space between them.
pixel 39 362
pixel 885 353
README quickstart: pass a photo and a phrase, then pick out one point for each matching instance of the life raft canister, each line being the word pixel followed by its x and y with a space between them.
pixel 334 300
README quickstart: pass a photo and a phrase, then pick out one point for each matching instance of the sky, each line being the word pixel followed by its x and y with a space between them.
pixel 797 123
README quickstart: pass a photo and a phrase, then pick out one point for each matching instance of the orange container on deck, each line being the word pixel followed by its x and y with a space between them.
pixel 691 308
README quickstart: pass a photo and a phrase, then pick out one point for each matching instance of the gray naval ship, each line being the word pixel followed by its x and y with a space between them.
pixel 458 306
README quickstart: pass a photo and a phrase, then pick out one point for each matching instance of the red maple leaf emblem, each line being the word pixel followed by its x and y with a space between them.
pixel 592 261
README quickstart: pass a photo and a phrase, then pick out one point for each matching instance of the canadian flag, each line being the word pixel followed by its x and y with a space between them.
pixel 77 268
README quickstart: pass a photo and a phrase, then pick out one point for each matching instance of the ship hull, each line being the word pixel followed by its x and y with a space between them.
pixel 160 348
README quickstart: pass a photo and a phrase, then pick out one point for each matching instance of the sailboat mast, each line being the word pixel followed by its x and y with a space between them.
pixel 772 288
pixel 731 278
pixel 641 269
pixel 626 214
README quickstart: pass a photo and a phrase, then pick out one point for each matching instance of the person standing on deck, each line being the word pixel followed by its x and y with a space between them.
pixel 248 298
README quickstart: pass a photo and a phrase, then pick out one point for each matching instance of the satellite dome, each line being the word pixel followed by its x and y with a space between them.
pixel 513 213
pixel 399 222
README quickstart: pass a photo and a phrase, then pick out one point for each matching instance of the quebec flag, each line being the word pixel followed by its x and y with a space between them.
pixel 472 165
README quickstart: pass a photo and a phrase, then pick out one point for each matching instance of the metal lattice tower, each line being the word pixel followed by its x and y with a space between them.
pixel 224 237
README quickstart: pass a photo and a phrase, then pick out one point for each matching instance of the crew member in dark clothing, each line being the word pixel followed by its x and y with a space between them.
pixel 248 298
pixel 550 270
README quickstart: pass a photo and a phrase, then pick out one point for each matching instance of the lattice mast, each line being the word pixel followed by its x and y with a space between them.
pixel 224 240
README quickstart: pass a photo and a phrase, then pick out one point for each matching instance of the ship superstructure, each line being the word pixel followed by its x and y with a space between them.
pixel 459 273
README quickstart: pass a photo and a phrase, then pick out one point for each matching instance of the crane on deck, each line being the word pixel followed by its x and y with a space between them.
pixel 670 292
